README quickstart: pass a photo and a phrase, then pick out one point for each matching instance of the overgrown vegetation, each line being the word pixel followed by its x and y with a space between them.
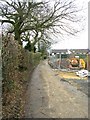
pixel 18 65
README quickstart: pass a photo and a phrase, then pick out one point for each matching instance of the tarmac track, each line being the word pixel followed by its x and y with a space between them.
pixel 49 97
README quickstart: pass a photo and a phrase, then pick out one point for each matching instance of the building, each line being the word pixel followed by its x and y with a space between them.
pixel 63 54
pixel 70 51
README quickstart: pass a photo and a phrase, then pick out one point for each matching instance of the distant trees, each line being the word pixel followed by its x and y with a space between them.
pixel 34 22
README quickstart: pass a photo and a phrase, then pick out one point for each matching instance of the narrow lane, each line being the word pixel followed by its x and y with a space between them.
pixel 37 96
pixel 48 97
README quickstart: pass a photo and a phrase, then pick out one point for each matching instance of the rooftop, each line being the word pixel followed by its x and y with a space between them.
pixel 68 51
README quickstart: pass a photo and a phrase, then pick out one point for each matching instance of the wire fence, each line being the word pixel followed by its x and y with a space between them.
pixel 64 62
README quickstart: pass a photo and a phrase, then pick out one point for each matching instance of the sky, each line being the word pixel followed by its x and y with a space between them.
pixel 81 40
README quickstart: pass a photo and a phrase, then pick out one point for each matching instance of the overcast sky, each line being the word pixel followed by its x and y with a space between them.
pixel 81 40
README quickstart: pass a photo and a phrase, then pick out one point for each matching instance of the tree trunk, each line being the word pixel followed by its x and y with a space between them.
pixel 38 46
pixel 17 36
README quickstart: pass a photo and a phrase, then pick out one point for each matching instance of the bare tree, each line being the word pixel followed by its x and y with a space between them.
pixel 19 15
pixel 40 18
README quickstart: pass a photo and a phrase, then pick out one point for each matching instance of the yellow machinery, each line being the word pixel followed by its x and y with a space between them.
pixel 81 63
pixel 76 62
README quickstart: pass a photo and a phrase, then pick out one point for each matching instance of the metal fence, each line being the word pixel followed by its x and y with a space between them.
pixel 61 61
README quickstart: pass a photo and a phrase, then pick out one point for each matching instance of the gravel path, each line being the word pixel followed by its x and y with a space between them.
pixel 49 97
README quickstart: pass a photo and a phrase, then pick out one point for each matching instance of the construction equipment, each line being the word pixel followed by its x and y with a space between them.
pixel 76 62
pixel 81 64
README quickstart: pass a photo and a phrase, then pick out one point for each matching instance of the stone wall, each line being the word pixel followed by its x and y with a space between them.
pixel 17 66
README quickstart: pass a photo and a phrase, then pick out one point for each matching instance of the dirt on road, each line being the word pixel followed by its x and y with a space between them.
pixel 49 97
